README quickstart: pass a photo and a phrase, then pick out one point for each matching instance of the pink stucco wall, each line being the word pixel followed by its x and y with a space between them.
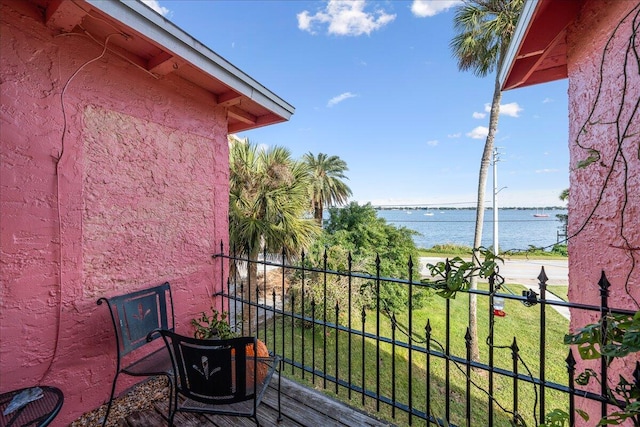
pixel 604 207
pixel 139 196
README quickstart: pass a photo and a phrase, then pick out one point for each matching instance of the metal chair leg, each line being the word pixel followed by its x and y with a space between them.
pixel 171 394
pixel 113 391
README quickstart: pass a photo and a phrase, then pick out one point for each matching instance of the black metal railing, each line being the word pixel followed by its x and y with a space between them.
pixel 399 364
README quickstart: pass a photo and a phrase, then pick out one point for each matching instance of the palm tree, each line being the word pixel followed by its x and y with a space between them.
pixel 564 195
pixel 564 218
pixel 483 31
pixel 268 198
pixel 327 188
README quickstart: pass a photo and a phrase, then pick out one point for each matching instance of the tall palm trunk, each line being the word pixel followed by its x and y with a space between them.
pixel 318 212
pixel 250 294
pixel 482 185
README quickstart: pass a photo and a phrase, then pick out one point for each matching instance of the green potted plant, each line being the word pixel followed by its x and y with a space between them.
pixel 215 326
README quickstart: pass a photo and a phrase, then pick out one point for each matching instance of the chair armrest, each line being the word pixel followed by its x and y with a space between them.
pixel 150 335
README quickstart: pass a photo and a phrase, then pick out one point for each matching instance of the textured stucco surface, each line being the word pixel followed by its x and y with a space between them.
pixel 139 196
pixel 604 208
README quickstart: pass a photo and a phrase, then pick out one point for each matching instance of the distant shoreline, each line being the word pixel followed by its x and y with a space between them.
pixel 449 208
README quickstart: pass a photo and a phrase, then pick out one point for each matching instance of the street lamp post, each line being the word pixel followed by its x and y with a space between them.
pixel 496 159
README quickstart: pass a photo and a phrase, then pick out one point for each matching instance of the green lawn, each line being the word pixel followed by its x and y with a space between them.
pixel 394 370
pixel 561 291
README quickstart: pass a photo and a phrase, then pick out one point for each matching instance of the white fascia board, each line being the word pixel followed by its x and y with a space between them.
pixel 518 37
pixel 144 20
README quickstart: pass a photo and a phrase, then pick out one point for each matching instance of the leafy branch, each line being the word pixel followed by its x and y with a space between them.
pixel 454 275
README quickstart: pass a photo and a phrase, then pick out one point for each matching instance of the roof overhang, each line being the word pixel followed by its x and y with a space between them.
pixel 157 46
pixel 538 50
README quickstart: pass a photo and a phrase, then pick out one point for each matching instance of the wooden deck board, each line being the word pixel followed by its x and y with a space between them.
pixel 301 406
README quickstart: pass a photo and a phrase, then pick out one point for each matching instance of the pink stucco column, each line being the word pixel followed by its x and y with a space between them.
pixel 604 207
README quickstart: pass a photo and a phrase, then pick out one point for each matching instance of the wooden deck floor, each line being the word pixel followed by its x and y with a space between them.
pixel 301 406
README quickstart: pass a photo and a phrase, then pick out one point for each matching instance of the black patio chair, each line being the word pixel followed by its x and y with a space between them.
pixel 218 376
pixel 134 315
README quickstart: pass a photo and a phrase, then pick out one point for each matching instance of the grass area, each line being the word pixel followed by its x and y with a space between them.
pixel 450 250
pixel 397 375
pixel 561 291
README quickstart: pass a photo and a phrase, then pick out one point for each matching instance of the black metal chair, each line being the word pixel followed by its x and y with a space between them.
pixel 218 376
pixel 134 315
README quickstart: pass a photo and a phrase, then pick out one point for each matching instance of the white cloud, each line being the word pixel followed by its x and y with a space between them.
pixel 305 21
pixel 153 4
pixel 546 170
pixel 477 115
pixel 511 109
pixel 479 132
pixel 425 8
pixel 345 18
pixel 338 99
pixel 547 100
pixel 454 135
pixel 432 143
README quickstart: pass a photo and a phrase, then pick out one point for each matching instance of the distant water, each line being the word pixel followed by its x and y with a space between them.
pixel 517 228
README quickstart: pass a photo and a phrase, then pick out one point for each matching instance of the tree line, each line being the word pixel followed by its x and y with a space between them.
pixel 277 203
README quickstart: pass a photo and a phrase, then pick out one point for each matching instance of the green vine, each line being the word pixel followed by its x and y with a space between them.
pixel 454 275
pixel 615 336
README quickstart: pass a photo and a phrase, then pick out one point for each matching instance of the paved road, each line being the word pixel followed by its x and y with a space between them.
pixel 525 272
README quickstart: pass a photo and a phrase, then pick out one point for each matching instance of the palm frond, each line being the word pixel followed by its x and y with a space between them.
pixel 483 30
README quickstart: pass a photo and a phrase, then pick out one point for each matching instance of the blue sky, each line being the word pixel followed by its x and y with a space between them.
pixel 375 83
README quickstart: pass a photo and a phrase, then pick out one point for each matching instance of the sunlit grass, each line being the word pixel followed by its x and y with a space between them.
pixel 393 369
pixel 561 291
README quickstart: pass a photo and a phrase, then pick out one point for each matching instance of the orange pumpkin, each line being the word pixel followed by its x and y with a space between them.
pixel 262 366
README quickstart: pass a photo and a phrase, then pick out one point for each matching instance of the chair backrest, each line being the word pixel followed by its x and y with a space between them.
pixel 136 314
pixel 213 371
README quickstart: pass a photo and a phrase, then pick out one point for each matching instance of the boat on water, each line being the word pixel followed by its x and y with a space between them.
pixel 428 213
pixel 539 214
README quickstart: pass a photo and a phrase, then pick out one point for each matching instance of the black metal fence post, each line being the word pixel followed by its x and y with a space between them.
pixel 337 360
pixel 492 290
pixel 571 370
pixel 514 358
pixel 302 309
pixel 324 321
pixel 362 363
pixel 282 299
pixel 313 341
pixel 350 309
pixel 394 326
pixel 378 302
pixel 427 332
pixel 467 341
pixel 542 283
pixel 410 339
pixel 604 311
